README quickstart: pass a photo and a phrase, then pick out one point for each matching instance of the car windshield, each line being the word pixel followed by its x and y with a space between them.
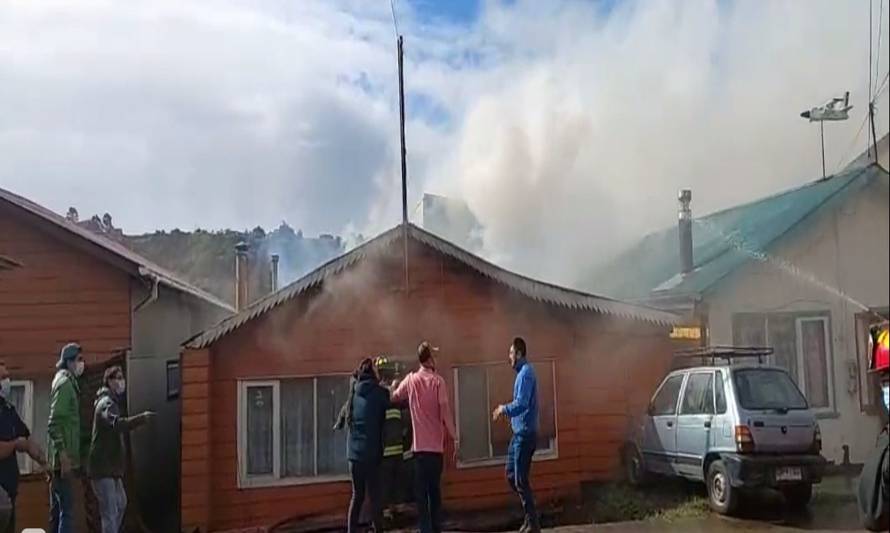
pixel 765 388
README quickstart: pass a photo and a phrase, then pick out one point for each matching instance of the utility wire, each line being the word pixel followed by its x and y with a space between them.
pixel 844 159
pixel 880 28
pixel 395 20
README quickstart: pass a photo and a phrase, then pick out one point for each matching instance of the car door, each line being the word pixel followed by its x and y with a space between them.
pixel 660 432
pixel 694 424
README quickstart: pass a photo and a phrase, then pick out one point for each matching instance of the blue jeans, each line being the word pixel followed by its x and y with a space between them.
pixel 112 500
pixel 519 465
pixel 61 504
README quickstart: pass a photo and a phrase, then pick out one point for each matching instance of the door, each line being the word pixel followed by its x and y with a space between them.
pixel 660 433
pixel 694 424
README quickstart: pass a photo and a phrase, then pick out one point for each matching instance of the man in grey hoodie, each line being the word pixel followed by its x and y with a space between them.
pixel 107 460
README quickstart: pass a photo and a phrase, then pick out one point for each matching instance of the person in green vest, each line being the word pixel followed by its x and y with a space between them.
pixel 63 444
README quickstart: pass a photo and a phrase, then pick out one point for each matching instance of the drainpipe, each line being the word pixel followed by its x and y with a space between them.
pixel 153 296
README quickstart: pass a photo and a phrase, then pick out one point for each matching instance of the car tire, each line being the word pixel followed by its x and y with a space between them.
pixel 634 470
pixel 722 496
pixel 798 496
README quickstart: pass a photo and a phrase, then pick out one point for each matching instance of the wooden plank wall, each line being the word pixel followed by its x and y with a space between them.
pixel 59 294
pixel 367 312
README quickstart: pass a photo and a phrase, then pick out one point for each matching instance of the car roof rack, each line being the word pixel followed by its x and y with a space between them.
pixel 726 353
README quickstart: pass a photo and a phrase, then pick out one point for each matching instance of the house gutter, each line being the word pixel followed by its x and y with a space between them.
pixel 153 296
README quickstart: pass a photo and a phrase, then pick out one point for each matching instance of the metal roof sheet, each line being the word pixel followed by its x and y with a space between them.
pixel 534 289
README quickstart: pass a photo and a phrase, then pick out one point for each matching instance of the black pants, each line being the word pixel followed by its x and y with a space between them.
pixel 427 482
pixel 391 475
pixel 365 480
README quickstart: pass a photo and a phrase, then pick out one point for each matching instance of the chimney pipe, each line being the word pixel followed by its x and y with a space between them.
pixel 274 273
pixel 685 232
pixel 241 275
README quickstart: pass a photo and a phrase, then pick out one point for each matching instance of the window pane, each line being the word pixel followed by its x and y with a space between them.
pixel 748 329
pixel 815 356
pixel 500 391
pixel 783 339
pixel 764 388
pixel 474 414
pixel 546 412
pixel 174 378
pixel 720 391
pixel 332 393
pixel 665 402
pixel 259 430
pixel 297 428
pixel 698 397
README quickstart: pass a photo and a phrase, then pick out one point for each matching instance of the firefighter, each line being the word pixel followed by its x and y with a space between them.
pixel 394 432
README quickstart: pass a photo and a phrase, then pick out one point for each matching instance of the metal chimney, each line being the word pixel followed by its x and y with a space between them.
pixel 273 273
pixel 241 275
pixel 685 231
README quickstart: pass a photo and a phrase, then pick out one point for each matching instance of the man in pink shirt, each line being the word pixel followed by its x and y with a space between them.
pixel 431 422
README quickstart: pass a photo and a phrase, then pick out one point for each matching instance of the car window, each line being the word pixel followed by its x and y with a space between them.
pixel 698 398
pixel 767 389
pixel 720 393
pixel 665 402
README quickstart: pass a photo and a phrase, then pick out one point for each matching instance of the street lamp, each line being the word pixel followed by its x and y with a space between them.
pixel 834 109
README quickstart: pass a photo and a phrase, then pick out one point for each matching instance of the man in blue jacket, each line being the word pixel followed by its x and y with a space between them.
pixel 523 415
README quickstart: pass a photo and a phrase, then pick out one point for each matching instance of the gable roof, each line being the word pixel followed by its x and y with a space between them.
pixel 536 290
pixel 722 241
pixel 133 263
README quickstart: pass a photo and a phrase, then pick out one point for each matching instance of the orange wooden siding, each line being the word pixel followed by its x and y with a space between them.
pixel 606 369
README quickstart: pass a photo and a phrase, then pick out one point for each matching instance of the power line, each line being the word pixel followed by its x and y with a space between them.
pixel 395 20
pixel 880 28
pixel 850 148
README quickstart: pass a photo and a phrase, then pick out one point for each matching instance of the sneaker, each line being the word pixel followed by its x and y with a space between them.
pixel 525 526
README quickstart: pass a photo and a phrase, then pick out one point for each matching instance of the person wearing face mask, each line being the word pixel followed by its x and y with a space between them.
pixel 107 458
pixel 15 438
pixel 63 428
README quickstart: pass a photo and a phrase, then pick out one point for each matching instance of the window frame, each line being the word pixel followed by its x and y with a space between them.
pixel 815 315
pixel 801 361
pixel 26 413
pixel 173 363
pixel 550 454
pixel 248 481
pixel 680 391
pixel 708 375
pixel 718 382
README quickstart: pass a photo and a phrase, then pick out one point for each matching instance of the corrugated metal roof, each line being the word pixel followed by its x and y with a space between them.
pixel 722 241
pixel 536 290
pixel 140 265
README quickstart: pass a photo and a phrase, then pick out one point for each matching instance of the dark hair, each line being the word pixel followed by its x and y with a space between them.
pixel 365 368
pixel 519 347
pixel 110 372
pixel 424 352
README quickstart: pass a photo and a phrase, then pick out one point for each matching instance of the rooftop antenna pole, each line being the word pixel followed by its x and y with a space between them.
pixel 822 136
pixel 403 159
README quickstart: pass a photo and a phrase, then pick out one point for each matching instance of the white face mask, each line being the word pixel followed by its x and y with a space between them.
pixel 118 386
pixel 78 368
pixel 5 387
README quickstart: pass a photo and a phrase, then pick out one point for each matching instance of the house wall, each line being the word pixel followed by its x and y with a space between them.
pixel 159 329
pixel 605 373
pixel 60 294
pixel 845 249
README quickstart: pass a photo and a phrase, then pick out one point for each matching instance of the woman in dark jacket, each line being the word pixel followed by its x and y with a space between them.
pixel 364 415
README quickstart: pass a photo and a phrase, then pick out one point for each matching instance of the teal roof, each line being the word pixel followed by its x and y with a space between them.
pixel 722 241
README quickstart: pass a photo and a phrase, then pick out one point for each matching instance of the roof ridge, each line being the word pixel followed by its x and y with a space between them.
pixel 171 280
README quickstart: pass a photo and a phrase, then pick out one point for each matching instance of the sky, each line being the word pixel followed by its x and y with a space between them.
pixel 567 126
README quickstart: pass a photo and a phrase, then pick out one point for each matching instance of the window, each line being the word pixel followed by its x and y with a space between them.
pixel 801 344
pixel 21 396
pixel 286 430
pixel 764 389
pixel 479 389
pixel 174 379
pixel 665 401
pixel 720 394
pixel 698 398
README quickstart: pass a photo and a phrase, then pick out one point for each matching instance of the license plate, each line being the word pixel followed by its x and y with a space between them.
pixel 789 473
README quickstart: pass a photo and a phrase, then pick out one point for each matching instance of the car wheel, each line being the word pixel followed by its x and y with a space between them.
pixel 634 469
pixel 798 496
pixel 722 497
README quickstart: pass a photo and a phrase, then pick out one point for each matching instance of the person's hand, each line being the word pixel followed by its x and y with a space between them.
pixel 64 464
pixel 21 444
pixel 456 456
pixel 497 413
pixel 149 415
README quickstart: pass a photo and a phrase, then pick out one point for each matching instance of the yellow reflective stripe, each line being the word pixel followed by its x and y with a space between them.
pixel 390 451
pixel 392 414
